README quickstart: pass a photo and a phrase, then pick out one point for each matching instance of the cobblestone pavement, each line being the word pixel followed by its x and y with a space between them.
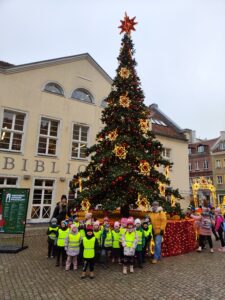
pixel 30 275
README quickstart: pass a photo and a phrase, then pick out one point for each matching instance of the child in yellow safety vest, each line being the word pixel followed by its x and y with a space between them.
pixel 89 246
pixel 123 229
pixel 98 235
pixel 106 244
pixel 52 236
pixel 116 242
pixel 72 247
pixel 129 242
pixel 61 252
pixel 147 228
pixel 141 242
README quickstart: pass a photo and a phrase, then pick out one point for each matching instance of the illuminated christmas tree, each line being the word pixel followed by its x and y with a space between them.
pixel 126 160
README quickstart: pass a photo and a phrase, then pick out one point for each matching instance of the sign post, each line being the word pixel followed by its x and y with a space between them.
pixel 13 213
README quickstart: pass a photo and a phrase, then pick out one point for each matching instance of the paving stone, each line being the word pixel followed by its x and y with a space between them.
pixel 29 275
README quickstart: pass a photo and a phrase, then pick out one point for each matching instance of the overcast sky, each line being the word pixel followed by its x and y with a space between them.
pixel 180 48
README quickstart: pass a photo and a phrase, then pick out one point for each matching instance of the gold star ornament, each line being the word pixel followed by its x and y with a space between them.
pixel 127 24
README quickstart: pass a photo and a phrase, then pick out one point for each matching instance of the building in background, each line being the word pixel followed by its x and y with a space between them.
pixel 175 145
pixel 218 166
pixel 49 114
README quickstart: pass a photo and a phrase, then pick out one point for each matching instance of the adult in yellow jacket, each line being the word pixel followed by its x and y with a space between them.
pixel 158 220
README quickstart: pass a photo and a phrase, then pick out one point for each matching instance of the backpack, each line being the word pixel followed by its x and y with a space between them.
pixel 206 223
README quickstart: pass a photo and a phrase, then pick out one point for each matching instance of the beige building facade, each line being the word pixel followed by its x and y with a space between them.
pixel 49 113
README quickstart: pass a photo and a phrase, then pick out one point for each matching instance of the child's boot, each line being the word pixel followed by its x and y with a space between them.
pixel 124 270
pixel 199 249
pixel 131 269
pixel 92 275
pixel 83 275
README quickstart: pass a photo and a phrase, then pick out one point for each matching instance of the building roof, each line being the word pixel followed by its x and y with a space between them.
pixel 7 68
pixel 209 143
pixel 4 64
pixel 163 125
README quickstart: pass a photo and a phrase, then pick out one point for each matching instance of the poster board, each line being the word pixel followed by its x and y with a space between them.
pixel 13 213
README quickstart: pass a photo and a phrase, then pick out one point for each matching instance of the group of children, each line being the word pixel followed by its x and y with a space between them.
pixel 76 242
pixel 208 221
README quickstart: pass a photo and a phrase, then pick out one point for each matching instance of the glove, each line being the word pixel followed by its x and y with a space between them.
pixel 161 232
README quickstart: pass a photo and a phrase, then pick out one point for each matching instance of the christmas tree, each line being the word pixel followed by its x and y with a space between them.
pixel 126 160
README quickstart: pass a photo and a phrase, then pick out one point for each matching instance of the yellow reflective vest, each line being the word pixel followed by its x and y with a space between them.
pixel 108 239
pixel 74 241
pixel 98 235
pixel 89 247
pixel 62 234
pixel 116 239
pixel 129 239
pixel 52 235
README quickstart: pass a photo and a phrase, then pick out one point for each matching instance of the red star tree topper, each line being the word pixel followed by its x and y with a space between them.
pixel 127 25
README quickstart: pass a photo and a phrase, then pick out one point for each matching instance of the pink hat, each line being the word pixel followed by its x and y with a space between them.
pixel 106 219
pixel 116 224
pixel 96 223
pixel 123 221
pixel 130 219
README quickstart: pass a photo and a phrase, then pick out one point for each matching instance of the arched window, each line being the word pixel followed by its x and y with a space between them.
pixel 104 103
pixel 54 88
pixel 83 95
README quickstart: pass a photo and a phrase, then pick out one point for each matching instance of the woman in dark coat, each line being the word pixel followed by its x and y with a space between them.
pixel 61 211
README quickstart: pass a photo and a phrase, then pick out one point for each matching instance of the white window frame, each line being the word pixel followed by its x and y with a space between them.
pixel 12 130
pixel 190 166
pixel 53 203
pixel 49 137
pixel 201 149
pixel 205 164
pixel 164 153
pixel 219 181
pixel 218 163
pixel 79 141
pixel 222 146
pixel 5 185
pixel 196 166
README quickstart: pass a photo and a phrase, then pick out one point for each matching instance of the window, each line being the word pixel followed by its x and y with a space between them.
pixel 196 166
pixel 166 153
pixel 222 146
pixel 190 166
pixel 48 136
pixel 79 141
pixel 42 199
pixel 54 88
pixel 158 122
pixel 6 182
pixel 205 164
pixel 189 151
pixel 219 179
pixel 218 163
pixel 83 95
pixel 12 130
pixel 201 149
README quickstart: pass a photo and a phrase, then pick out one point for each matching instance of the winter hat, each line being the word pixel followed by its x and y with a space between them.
pixel 130 223
pixel 73 226
pixel 137 221
pixel 89 228
pixel 106 219
pixel 116 224
pixel 218 210
pixel 123 221
pixel 53 221
pixel 96 223
pixel 64 222
pixel 159 209
pixel 130 219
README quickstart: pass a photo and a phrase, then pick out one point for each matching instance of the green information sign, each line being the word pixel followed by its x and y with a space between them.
pixel 14 210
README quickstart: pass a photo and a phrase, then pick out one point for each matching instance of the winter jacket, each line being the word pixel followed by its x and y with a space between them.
pixel 219 220
pixel 69 249
pixel 203 230
pixel 158 221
